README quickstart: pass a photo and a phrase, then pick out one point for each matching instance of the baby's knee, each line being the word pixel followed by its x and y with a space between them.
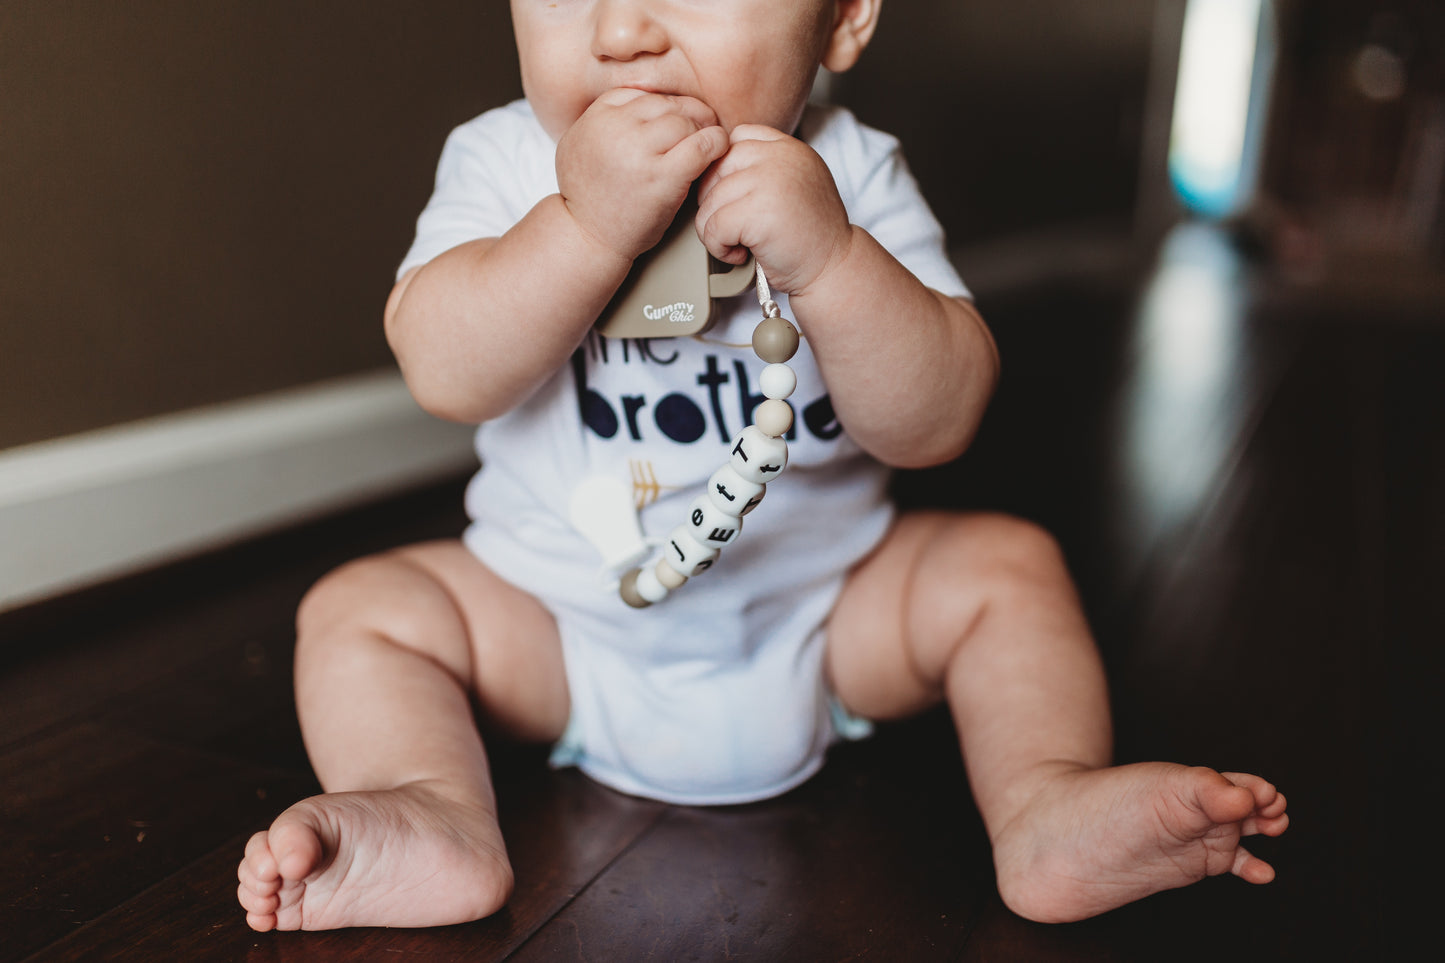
pixel 377 596
pixel 1017 542
pixel 1001 556
pixel 339 595
pixel 992 539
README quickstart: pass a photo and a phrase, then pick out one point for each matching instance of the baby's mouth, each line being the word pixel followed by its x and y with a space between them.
pixel 651 89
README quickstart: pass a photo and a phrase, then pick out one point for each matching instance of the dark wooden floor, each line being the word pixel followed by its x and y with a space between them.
pixel 1250 484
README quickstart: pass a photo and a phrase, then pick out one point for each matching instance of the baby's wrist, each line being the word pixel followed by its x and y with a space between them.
pixel 595 241
pixel 834 266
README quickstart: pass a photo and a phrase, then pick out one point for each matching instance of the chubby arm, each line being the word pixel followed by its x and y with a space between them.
pixel 910 371
pixel 479 328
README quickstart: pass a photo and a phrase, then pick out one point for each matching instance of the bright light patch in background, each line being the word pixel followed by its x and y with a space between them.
pixel 1211 103
pixel 1180 419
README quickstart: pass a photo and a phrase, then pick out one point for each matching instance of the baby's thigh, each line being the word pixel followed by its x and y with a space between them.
pixel 909 605
pixel 439 600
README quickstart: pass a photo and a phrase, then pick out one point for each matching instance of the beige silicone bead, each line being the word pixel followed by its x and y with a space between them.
pixel 628 590
pixel 773 417
pixel 670 577
pixel 775 340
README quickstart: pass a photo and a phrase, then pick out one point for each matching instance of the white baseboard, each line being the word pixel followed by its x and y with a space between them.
pixel 82 509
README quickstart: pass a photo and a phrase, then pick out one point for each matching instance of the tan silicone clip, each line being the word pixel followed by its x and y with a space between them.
pixel 669 292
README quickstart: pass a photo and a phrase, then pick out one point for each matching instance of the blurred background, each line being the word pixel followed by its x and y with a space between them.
pixel 1209 236
pixel 202 206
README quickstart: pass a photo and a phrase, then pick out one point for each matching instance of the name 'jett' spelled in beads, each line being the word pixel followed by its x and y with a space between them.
pixel 759 454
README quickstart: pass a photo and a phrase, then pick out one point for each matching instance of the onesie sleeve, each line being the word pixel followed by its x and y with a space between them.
pixel 882 195
pixel 481 185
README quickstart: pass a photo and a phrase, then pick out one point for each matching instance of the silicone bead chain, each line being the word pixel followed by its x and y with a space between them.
pixel 759 454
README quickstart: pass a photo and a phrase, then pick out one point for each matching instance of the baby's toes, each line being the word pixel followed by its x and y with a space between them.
pixel 263 880
pixel 1275 807
pixel 1251 868
pixel 1265 795
pixel 1222 800
pixel 259 864
pixel 260 884
pixel 1265 825
pixel 258 901
pixel 261 922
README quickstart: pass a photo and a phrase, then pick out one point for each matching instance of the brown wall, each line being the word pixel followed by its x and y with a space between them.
pixel 1018 115
pixel 200 201
pixel 1361 168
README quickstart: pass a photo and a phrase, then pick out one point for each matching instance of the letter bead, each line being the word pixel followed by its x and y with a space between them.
pixel 773 417
pixel 710 525
pixel 685 554
pixel 731 492
pixel 757 457
pixel 778 381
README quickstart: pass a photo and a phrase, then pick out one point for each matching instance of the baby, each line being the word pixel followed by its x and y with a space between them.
pixel 830 610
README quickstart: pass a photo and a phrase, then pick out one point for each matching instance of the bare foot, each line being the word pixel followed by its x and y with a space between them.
pixel 1093 840
pixel 409 856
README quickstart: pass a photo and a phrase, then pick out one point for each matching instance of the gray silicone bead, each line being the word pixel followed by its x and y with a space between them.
pixel 775 340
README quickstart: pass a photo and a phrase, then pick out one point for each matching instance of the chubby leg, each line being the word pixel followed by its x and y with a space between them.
pixel 390 651
pixel 979 609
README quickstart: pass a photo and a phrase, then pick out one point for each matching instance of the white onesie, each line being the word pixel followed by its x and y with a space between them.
pixel 716 695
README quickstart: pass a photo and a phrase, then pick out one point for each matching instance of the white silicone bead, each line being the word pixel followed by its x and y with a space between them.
pixel 778 381
pixel 753 502
pixel 710 525
pixel 731 492
pixel 685 554
pixel 773 417
pixel 757 457
pixel 649 587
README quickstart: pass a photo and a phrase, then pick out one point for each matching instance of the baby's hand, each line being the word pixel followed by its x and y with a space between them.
pixel 773 195
pixel 625 167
